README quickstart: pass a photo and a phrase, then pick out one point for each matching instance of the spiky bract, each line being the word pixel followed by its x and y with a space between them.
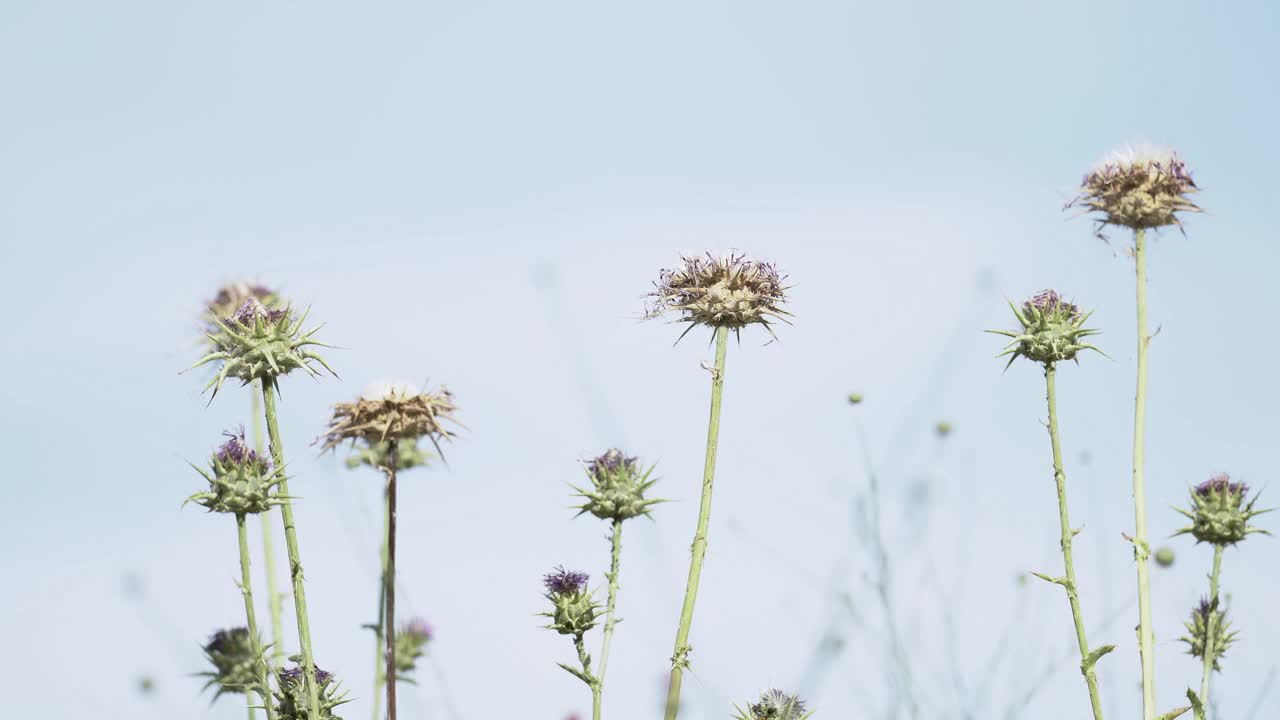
pixel 730 291
pixel 1052 330
pixel 574 610
pixel 291 695
pixel 230 298
pixel 618 487
pixel 241 481
pixel 1205 616
pixel 1219 514
pixel 1138 187
pixel 235 665
pixel 775 704
pixel 258 343
pixel 395 412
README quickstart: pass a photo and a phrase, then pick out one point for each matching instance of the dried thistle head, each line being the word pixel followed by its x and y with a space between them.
pixel 291 694
pixel 391 413
pixel 731 291
pixel 1138 186
pixel 241 481
pixel 1205 617
pixel 775 704
pixel 261 343
pixel 1219 514
pixel 1052 330
pixel 574 609
pixel 618 487
pixel 235 664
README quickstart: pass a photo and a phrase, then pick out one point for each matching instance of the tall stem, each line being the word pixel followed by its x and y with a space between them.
pixel 246 589
pixel 1060 478
pixel 379 652
pixel 680 656
pixel 295 558
pixel 1141 551
pixel 610 618
pixel 269 554
pixel 390 581
pixel 1211 626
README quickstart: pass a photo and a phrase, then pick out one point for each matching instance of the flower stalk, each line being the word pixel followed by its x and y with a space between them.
pixel 269 550
pixel 1210 654
pixel 1141 549
pixel 246 590
pixel 389 582
pixel 610 617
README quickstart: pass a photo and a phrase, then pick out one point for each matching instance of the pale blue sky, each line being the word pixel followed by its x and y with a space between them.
pixel 480 193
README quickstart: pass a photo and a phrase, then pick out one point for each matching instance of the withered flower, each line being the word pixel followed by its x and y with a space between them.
pixel 731 291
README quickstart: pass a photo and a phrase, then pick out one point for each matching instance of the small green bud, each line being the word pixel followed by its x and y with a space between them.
pixel 235 665
pixel 1205 617
pixel 1164 557
pixel 942 429
pixel 855 398
pixel 241 481
pixel 1219 514
pixel 1052 330
pixel 411 644
pixel 618 487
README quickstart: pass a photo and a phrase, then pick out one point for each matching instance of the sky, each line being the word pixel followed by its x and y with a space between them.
pixel 480 194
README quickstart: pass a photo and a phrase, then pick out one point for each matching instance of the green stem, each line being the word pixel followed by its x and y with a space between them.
pixel 680 656
pixel 1141 552
pixel 1211 626
pixel 269 555
pixel 592 681
pixel 610 618
pixel 1060 478
pixel 295 558
pixel 390 582
pixel 380 655
pixel 246 590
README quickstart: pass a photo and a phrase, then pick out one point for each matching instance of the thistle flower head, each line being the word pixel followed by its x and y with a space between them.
pixel 1207 617
pixel 1052 330
pixel 775 704
pixel 1138 186
pixel 261 343
pixel 1219 513
pixel 574 610
pixel 411 644
pixel 618 487
pixel 241 480
pixel 392 413
pixel 235 664
pixel 730 291
pixel 291 694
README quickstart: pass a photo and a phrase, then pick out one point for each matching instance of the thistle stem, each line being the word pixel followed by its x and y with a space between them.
pixel 246 590
pixel 291 544
pixel 680 656
pixel 610 619
pixel 1141 551
pixel 1073 597
pixel 389 582
pixel 269 554
pixel 1211 626
pixel 380 656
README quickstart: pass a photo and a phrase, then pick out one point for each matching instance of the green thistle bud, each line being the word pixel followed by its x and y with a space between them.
pixel 291 695
pixel 855 398
pixel 1219 514
pixel 574 611
pixel 1205 617
pixel 731 291
pixel 261 344
pixel 411 644
pixel 775 705
pixel 1138 187
pixel 241 481
pixel 408 455
pixel 1165 557
pixel 235 666
pixel 618 487
pixel 1052 330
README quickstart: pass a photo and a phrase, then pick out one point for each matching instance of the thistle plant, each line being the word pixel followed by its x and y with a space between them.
pixel 721 293
pixel 774 704
pixel 259 344
pixel 1220 516
pixel 241 482
pixel 293 696
pixel 411 645
pixel 386 417
pixel 236 660
pixel 617 494
pixel 574 612
pixel 226 301
pixel 1140 188
pixel 1053 330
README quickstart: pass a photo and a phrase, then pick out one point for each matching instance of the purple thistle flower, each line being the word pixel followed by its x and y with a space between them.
pixel 1049 302
pixel 235 451
pixel 223 640
pixel 418 628
pixel 611 461
pixel 1221 483
pixel 253 309
pixel 564 582
pixel 293 675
